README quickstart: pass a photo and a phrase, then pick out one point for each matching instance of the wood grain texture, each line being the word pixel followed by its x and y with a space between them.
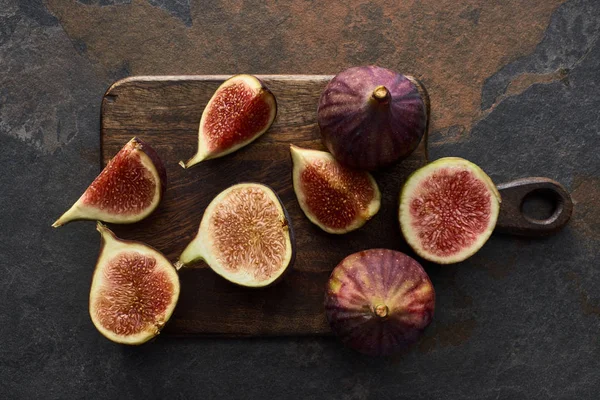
pixel 165 112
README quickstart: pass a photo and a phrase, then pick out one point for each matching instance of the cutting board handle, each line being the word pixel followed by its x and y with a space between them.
pixel 513 220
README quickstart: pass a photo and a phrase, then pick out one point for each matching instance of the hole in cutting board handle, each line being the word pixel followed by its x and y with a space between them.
pixel 541 205
pixel 533 206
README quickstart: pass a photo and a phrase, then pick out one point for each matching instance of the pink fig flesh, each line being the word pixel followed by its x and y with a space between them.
pixel 134 290
pixel 448 210
pixel 335 198
pixel 245 236
pixel 240 111
pixel 379 301
pixel 127 190
pixel 371 117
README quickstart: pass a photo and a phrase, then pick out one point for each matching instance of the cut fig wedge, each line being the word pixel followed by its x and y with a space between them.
pixel 127 190
pixel 245 236
pixel 134 290
pixel 241 110
pixel 335 198
pixel 448 210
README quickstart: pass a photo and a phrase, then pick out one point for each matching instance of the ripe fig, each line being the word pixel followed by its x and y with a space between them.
pixel 245 236
pixel 134 290
pixel 379 301
pixel 240 110
pixel 371 117
pixel 127 190
pixel 448 210
pixel 335 198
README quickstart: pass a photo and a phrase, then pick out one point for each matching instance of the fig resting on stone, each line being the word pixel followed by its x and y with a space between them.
pixel 127 190
pixel 379 301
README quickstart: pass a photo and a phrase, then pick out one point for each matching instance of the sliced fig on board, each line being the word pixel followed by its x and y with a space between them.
pixel 379 301
pixel 334 197
pixel 240 110
pixel 134 290
pixel 245 236
pixel 371 117
pixel 448 210
pixel 127 190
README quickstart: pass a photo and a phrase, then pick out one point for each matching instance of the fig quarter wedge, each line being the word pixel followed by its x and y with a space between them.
pixel 379 301
pixel 245 236
pixel 127 190
pixel 335 198
pixel 240 111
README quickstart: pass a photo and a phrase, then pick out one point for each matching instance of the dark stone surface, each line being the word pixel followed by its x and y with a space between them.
pixel 518 320
pixel 178 8
pixel 572 33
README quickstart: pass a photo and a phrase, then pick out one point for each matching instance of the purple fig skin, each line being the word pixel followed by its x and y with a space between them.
pixel 240 111
pixel 371 117
pixel 125 177
pixel 156 160
pixel 379 301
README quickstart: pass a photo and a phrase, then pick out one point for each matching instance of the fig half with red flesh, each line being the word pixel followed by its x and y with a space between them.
pixel 245 236
pixel 240 110
pixel 334 197
pixel 371 117
pixel 448 210
pixel 127 190
pixel 134 290
pixel 379 301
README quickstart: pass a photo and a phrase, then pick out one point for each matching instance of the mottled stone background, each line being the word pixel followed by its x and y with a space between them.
pixel 515 87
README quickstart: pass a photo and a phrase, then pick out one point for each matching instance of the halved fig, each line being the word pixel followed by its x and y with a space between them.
pixel 448 210
pixel 371 117
pixel 241 110
pixel 379 301
pixel 245 236
pixel 127 190
pixel 335 198
pixel 134 290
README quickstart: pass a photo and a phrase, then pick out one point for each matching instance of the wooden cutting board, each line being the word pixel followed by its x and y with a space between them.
pixel 165 112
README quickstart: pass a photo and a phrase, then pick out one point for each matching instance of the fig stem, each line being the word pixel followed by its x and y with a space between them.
pixel 381 310
pixel 178 265
pixel 106 233
pixel 381 94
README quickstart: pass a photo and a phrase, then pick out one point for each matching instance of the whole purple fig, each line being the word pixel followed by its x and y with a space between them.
pixel 379 301
pixel 371 117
